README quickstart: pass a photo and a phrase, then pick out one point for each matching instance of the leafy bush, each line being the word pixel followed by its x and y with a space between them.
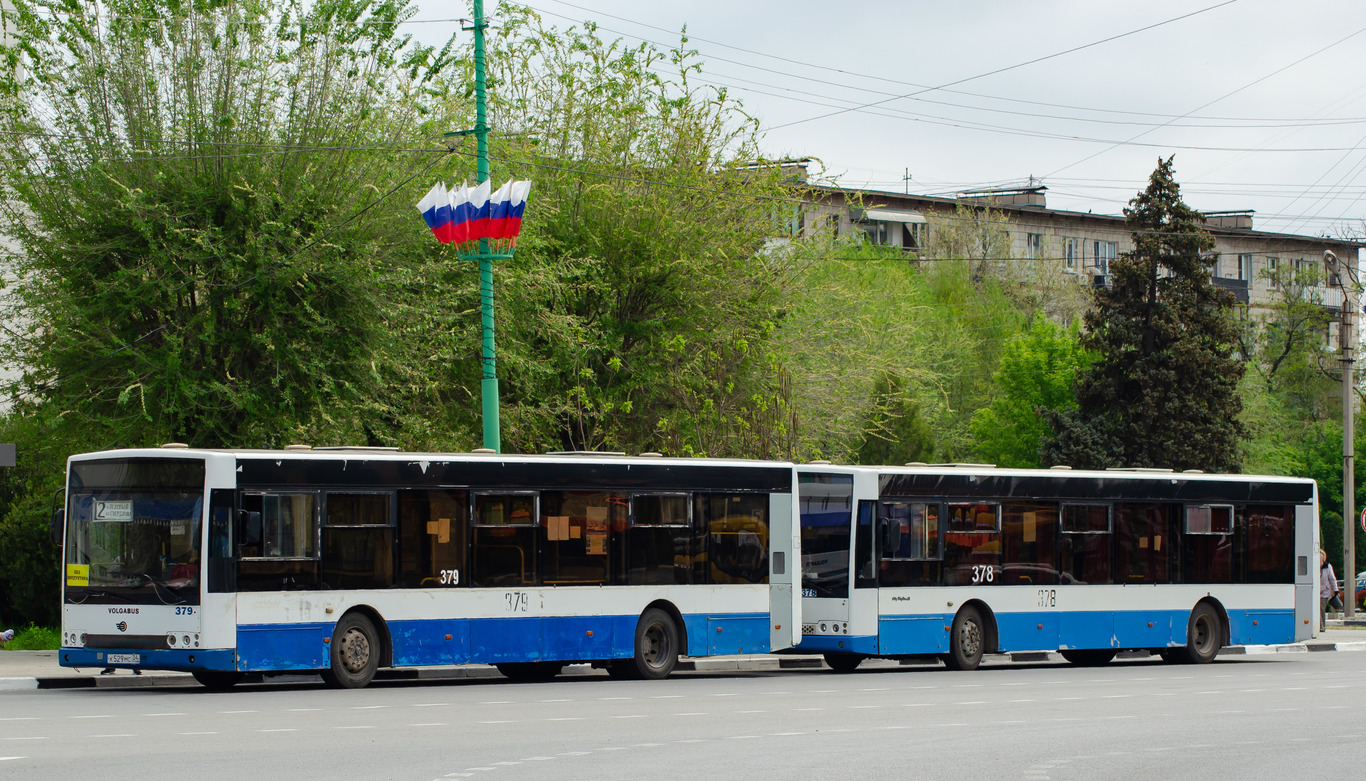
pixel 34 638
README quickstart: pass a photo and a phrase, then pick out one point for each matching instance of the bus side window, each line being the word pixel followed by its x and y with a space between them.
pixel 284 554
pixel 222 569
pixel 865 569
pixel 504 539
pixel 433 528
pixel 357 541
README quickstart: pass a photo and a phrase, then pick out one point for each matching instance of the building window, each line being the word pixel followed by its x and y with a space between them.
pixel 1245 267
pixel 1069 254
pixel 1105 251
pixel 1033 246
pixel 917 235
pixel 1273 264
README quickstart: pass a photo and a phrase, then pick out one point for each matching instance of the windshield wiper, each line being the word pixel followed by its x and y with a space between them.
pixel 156 584
pixel 101 594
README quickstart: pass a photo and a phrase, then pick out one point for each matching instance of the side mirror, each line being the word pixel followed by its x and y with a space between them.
pixel 251 527
pixel 57 526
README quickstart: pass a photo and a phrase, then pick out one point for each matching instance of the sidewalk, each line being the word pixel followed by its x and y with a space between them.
pixel 39 669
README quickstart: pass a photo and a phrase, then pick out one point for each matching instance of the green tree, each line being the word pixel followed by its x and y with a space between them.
pixel 896 433
pixel 188 187
pixel 1037 372
pixel 636 313
pixel 1163 390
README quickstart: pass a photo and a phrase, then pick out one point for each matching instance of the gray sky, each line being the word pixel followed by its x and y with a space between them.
pixel 1230 91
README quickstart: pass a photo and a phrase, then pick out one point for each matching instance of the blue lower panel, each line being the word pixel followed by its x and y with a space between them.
pixel 1086 630
pixel 819 644
pixel 1260 627
pixel 419 643
pixel 159 659
pixel 1028 631
pixel 1149 628
pixel 900 635
pixel 737 635
pixel 267 647
pixel 494 640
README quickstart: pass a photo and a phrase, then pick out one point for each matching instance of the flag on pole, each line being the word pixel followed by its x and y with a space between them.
pixel 435 207
pixel 466 213
pixel 516 206
pixel 498 211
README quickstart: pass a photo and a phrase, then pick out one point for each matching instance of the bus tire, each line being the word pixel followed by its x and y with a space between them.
pixel 967 640
pixel 1089 657
pixel 843 663
pixel 217 680
pixel 355 653
pixel 1204 635
pixel 656 653
pixel 530 672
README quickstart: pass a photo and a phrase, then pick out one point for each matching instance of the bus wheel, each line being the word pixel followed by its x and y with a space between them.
pixel 530 671
pixel 355 653
pixel 656 645
pixel 1204 635
pixel 1089 657
pixel 967 641
pixel 843 663
pixel 217 680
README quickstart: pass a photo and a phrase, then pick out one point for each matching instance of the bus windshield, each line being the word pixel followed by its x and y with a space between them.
pixel 133 532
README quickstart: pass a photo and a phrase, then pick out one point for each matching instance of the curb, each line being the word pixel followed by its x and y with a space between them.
pixel 719 664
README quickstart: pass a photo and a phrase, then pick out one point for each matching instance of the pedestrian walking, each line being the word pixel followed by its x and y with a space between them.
pixel 1328 588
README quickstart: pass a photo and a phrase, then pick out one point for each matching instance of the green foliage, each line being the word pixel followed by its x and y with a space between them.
pixel 35 638
pixel 636 312
pixel 1163 392
pixel 1037 372
pixel 896 433
pixel 186 184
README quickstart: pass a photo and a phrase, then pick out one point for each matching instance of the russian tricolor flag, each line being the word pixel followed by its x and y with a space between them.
pixel 469 214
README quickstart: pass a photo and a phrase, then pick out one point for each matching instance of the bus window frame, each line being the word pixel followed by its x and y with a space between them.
pixel 317 523
pixel 883 522
pixel 535 509
pixel 1109 517
pixel 948 517
pixel 687 503
pixel 1186 519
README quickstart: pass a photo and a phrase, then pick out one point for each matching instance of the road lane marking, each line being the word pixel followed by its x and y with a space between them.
pixel 429 704
pixel 283 729
pixel 19 718
pixel 226 712
pixel 32 738
pixel 500 721
pixel 302 710
pixel 368 707
pixel 89 716
pixel 632 716
pixel 429 724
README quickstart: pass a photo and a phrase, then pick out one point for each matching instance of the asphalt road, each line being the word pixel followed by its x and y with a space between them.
pixel 1283 716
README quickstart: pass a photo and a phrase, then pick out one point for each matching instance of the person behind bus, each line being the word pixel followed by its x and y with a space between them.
pixel 1328 588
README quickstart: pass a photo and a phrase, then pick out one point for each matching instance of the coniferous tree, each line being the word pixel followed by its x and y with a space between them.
pixel 1163 392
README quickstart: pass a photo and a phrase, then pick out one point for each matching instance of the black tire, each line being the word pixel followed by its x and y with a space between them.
pixel 217 680
pixel 530 672
pixel 1089 657
pixel 656 652
pixel 355 653
pixel 843 663
pixel 1172 655
pixel 967 641
pixel 1204 636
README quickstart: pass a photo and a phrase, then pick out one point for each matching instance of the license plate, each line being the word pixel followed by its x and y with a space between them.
pixel 123 658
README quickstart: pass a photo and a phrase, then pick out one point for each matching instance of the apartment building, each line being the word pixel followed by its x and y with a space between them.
pixel 1078 243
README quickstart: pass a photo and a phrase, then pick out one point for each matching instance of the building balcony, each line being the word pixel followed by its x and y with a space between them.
pixel 1238 287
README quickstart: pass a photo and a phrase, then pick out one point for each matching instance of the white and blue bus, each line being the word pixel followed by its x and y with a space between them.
pixel 959 560
pixel 343 561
